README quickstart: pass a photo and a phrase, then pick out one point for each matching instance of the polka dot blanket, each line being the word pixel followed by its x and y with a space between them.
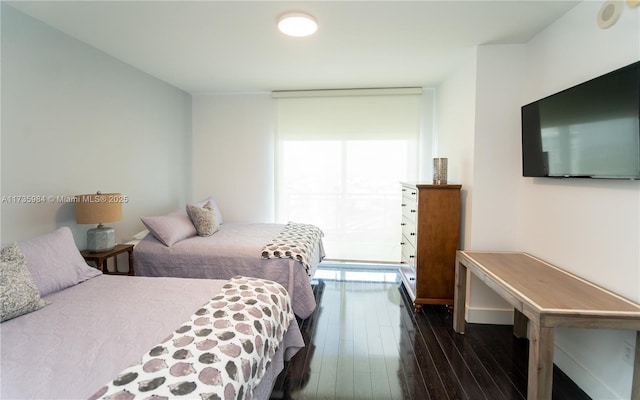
pixel 221 353
pixel 296 241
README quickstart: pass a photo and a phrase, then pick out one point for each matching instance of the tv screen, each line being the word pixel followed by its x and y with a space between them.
pixel 591 130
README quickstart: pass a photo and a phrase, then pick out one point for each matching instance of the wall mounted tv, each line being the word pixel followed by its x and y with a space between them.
pixel 591 130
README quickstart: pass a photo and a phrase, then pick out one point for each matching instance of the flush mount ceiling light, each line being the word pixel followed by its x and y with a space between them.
pixel 297 24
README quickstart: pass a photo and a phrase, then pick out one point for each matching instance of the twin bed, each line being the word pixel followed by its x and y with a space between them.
pixel 285 253
pixel 165 334
pixel 89 334
pixel 236 249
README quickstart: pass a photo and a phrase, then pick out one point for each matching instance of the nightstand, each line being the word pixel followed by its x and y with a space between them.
pixel 101 257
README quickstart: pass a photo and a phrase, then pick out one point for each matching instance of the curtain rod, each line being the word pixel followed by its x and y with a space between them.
pixel 346 92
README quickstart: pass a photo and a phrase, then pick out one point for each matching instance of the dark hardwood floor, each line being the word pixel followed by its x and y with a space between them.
pixel 365 342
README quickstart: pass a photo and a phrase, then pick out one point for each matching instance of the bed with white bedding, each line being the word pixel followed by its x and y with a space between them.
pixel 85 334
pixel 234 249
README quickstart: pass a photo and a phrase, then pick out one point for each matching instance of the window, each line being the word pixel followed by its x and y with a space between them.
pixel 340 161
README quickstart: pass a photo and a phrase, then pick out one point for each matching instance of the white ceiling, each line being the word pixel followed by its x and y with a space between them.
pixel 233 46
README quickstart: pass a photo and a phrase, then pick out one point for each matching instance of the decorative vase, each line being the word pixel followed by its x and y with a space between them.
pixel 439 171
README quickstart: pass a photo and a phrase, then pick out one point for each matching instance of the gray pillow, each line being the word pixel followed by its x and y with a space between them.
pixel 215 207
pixel 171 228
pixel 18 293
pixel 204 219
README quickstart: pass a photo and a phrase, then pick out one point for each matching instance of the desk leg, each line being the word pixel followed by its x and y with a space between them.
pixel 635 384
pixel 540 362
pixel 519 324
pixel 459 298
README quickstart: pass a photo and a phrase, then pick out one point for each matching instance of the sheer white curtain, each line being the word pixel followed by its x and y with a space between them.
pixel 340 158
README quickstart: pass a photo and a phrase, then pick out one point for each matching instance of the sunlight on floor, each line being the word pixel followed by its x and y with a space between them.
pixel 358 274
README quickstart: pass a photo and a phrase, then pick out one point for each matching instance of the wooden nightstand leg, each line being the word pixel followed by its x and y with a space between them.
pixel 131 272
pixel 635 383
pixel 105 267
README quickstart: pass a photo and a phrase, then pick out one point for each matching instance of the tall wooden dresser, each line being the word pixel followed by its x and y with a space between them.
pixel 430 238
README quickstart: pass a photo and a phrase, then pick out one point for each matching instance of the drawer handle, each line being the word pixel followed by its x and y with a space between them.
pixel 413 211
pixel 412 279
pixel 412 256
pixel 402 243
pixel 402 223
pixel 413 193
pixel 404 205
pixel 412 234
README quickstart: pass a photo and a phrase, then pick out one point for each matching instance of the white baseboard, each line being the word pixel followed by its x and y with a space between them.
pixel 594 387
pixel 489 316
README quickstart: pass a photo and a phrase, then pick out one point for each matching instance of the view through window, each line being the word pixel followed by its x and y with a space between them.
pixel 339 164
pixel 350 189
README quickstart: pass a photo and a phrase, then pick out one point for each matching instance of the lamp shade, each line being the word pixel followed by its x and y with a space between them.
pixel 98 208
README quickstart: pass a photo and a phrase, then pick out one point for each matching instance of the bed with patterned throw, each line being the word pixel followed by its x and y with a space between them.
pixel 235 249
pixel 69 331
pixel 222 352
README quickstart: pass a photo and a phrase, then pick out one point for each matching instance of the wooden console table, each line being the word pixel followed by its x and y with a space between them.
pixel 547 297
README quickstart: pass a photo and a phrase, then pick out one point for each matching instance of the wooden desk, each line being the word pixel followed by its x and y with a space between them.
pixel 101 257
pixel 547 297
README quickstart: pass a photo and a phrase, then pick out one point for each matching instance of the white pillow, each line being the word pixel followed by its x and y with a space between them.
pixel 141 235
pixel 55 262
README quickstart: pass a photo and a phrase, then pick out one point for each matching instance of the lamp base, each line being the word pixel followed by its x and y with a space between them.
pixel 101 238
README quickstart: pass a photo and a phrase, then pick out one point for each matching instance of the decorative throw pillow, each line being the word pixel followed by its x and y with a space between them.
pixel 171 228
pixel 55 262
pixel 18 293
pixel 215 207
pixel 204 219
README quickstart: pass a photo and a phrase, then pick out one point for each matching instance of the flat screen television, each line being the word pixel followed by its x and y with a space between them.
pixel 591 130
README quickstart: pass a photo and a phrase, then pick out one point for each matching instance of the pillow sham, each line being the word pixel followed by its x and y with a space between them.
pixel 171 228
pixel 214 206
pixel 55 262
pixel 18 293
pixel 204 219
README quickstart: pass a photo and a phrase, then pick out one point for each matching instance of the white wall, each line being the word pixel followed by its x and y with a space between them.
pixel 454 132
pixel 478 129
pixel 233 154
pixel 75 120
pixel 591 228
pixel 426 140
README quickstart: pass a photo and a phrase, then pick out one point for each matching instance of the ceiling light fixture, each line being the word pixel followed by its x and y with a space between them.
pixel 609 13
pixel 297 24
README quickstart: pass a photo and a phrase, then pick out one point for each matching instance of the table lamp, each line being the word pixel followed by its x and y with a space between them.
pixel 99 208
